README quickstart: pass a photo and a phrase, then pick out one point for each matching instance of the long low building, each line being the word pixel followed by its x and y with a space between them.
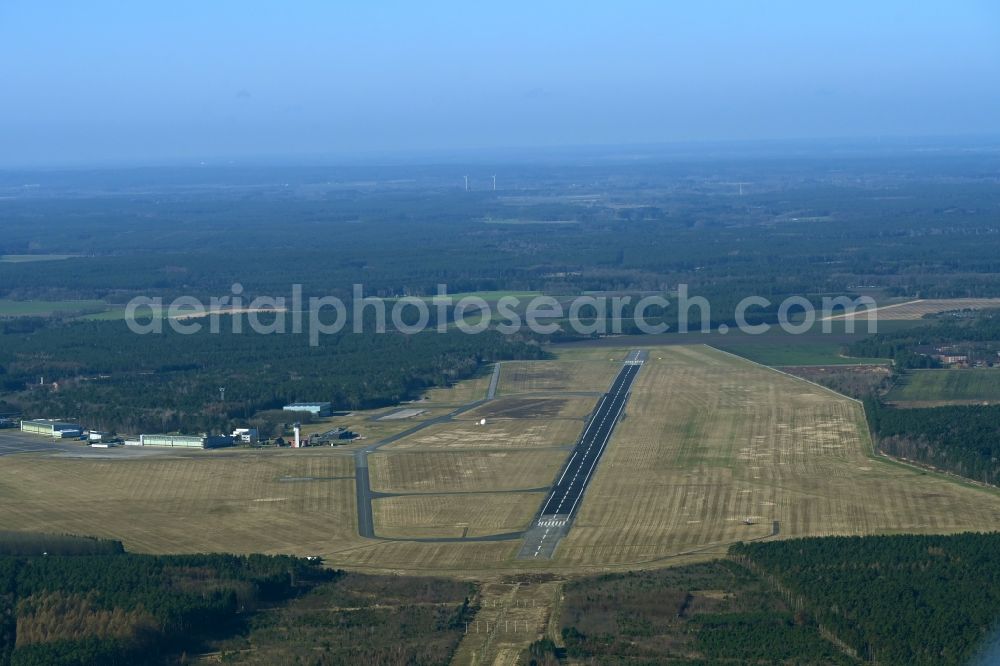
pixel 314 408
pixel 51 428
pixel 186 441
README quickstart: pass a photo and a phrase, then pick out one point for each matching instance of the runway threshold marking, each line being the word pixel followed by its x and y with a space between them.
pixel 555 522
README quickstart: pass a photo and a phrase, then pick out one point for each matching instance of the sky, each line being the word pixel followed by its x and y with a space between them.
pixel 166 81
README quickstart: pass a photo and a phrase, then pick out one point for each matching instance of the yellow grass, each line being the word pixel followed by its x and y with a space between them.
pixel 461 393
pixel 708 440
pixel 496 434
pixel 475 514
pixel 435 471
pixel 563 375
pixel 534 406
pixel 229 502
pixel 711 440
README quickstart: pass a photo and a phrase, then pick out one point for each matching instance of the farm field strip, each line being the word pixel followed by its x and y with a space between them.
pixel 917 309
pixel 9 308
pixel 928 387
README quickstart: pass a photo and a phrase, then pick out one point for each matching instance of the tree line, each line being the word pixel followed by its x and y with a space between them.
pixel 132 609
pixel 907 599
pixel 112 379
pixel 963 439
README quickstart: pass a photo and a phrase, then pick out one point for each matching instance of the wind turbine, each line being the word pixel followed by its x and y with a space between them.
pixel 740 185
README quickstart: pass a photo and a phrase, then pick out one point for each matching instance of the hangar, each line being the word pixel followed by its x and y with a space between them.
pixel 51 428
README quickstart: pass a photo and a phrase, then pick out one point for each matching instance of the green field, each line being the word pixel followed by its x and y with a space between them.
pixel 10 308
pixel 28 258
pixel 111 314
pixel 968 385
pixel 488 296
pixel 808 352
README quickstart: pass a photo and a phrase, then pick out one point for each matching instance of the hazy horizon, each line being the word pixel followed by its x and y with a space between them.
pixel 114 83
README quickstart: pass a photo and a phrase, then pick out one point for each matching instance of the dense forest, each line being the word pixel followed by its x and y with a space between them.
pixel 910 225
pixel 963 439
pixel 812 227
pixel 110 378
pixel 358 619
pixel 901 599
pixel 25 543
pixel 133 609
pixel 711 613
pixel 86 602
pixel 920 600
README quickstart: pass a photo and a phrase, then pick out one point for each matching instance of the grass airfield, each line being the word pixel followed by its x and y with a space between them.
pixel 707 441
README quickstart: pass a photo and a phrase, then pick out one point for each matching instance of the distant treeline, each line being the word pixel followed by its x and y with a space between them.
pixel 919 600
pixel 799 230
pixel 112 379
pixel 31 543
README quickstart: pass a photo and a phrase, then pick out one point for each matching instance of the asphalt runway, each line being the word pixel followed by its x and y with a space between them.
pixel 572 482
pixel 561 504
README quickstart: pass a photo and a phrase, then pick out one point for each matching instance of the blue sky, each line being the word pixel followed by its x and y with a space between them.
pixel 101 81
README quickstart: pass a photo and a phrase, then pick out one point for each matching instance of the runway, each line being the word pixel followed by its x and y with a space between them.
pixel 562 502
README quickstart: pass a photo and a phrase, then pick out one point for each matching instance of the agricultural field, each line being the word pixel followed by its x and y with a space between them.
pixel 919 309
pixel 9 308
pixel 32 258
pixel 800 352
pixel 488 296
pixel 929 388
